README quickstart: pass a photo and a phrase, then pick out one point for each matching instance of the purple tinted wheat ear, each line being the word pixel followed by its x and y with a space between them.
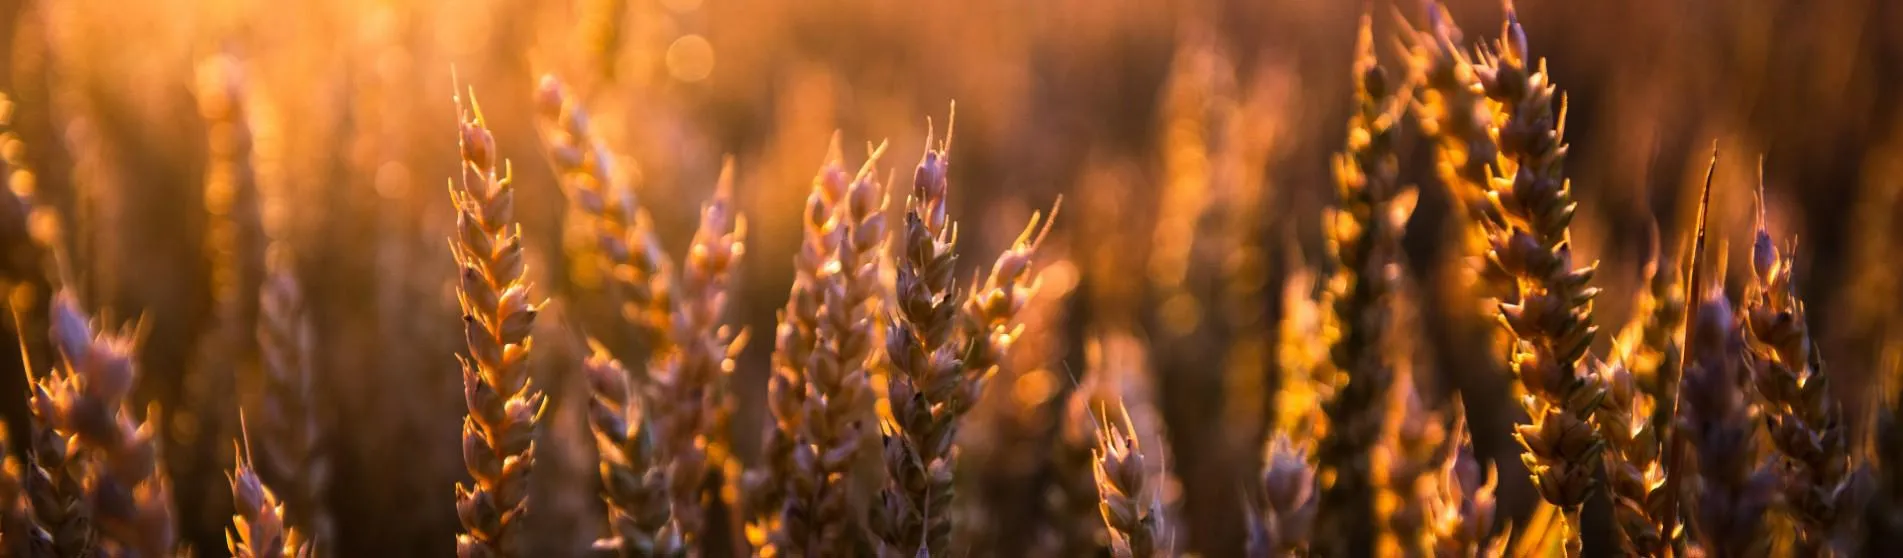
pixel 1726 505
pixel 259 529
pixel 53 477
pixel 692 402
pixel 504 406
pixel 1551 316
pixel 1284 517
pixel 633 480
pixel 637 266
pixel 86 401
pixel 928 389
pixel 1803 417
pixel 1130 506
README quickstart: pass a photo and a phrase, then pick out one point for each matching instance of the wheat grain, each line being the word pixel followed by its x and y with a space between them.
pixel 498 435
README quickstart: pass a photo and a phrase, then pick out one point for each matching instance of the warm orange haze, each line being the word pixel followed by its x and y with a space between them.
pixel 1130 278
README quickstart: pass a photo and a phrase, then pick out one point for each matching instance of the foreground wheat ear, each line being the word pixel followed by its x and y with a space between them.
pixel 504 405
pixel 86 402
pixel 258 528
pixel 1806 424
pixel 1130 507
pixel 928 388
pixel 1550 317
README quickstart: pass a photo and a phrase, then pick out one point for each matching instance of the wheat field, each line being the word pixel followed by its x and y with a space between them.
pixel 1129 278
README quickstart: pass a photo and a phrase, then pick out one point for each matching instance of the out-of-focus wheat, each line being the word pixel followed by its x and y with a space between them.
pixel 1460 516
pixel 504 404
pixel 19 535
pixel 1805 423
pixel 1727 506
pixel 1284 519
pixel 86 401
pixel 287 409
pixel 633 478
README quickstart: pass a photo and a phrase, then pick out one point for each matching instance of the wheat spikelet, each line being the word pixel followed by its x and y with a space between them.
pixel 928 388
pixel 259 529
pixel 637 265
pixel 633 480
pixel 504 405
pixel 287 409
pixel 1806 424
pixel 989 315
pixel 691 399
pixel 1727 504
pixel 85 401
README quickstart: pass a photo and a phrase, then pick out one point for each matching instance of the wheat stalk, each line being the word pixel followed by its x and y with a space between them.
pixel 633 479
pixel 85 401
pixel 1806 424
pixel 504 405
pixel 692 403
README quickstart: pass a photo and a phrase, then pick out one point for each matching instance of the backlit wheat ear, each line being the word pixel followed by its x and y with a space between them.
pixel 1461 511
pixel 1284 518
pixel 819 395
pixel 633 480
pixel 928 387
pixel 1551 315
pixel 1130 507
pixel 87 402
pixel 638 268
pixel 692 404
pixel 1806 424
pixel 498 314
pixel 54 475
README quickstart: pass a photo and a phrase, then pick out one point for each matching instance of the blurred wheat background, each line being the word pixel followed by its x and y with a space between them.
pixel 1190 142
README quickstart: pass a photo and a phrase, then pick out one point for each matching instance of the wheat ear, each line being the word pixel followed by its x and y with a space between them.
pixel 87 402
pixel 287 412
pixel 1551 318
pixel 928 388
pixel 1461 511
pixel 1806 424
pixel 504 405
pixel 637 265
pixel 689 388
pixel 1283 520
pixel 1719 426
pixel 1130 507
pixel 633 480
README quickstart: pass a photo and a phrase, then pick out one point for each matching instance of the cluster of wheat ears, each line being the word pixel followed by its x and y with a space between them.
pixel 1710 428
